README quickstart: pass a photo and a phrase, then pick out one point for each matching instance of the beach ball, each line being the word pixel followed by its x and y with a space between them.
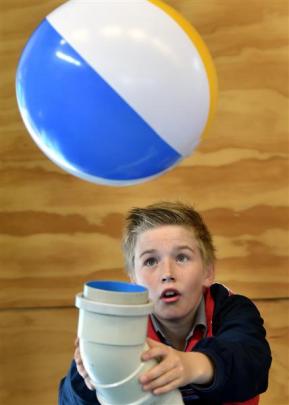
pixel 116 92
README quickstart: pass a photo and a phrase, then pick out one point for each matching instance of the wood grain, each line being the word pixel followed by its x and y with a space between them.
pixel 36 350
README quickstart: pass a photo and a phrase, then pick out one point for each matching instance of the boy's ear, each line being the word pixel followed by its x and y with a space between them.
pixel 132 277
pixel 209 276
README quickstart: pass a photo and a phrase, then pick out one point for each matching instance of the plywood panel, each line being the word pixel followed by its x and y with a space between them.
pixel 36 349
pixel 37 346
pixel 41 270
pixel 57 231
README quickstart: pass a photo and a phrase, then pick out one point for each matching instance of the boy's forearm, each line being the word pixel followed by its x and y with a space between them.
pixel 72 390
pixel 198 368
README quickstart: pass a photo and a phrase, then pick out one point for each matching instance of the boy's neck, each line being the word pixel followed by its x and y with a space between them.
pixel 176 331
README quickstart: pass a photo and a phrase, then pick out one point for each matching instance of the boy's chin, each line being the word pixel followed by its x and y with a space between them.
pixel 169 316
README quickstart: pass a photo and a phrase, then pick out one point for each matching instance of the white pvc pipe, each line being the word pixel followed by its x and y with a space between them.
pixel 112 330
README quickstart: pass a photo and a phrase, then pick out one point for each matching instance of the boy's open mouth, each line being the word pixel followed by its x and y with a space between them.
pixel 170 295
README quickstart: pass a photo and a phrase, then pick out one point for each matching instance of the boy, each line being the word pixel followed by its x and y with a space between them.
pixel 209 343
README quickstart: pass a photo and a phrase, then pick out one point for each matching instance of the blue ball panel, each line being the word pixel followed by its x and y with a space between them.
pixel 79 120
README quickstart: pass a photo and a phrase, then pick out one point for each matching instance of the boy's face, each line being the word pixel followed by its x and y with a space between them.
pixel 168 262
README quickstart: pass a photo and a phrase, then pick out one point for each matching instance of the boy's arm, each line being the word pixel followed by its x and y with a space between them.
pixel 73 390
pixel 231 366
pixel 238 350
pixel 174 368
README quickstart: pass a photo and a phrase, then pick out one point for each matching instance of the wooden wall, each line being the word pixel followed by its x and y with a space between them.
pixel 57 231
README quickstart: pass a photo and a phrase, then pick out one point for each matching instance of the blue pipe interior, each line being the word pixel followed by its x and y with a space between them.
pixel 118 286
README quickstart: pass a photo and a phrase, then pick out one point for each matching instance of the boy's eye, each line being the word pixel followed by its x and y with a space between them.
pixel 182 258
pixel 150 262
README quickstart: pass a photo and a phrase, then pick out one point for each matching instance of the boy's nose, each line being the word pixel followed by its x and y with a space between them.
pixel 167 279
pixel 168 272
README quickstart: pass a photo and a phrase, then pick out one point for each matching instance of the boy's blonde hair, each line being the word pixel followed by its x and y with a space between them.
pixel 140 220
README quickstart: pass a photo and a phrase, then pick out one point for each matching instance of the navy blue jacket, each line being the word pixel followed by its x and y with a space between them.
pixel 238 349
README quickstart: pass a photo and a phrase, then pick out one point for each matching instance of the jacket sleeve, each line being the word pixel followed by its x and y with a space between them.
pixel 73 391
pixel 238 349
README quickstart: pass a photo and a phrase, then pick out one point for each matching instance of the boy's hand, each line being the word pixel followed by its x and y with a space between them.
pixel 80 367
pixel 175 368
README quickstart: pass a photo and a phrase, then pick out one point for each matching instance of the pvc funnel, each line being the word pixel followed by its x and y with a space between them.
pixel 112 330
